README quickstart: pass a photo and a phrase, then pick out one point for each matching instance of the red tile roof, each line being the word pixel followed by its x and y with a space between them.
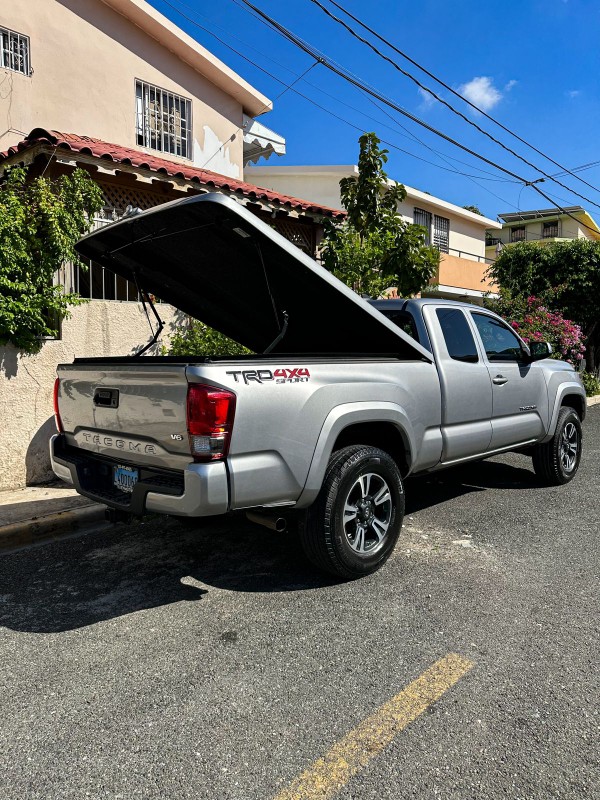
pixel 135 158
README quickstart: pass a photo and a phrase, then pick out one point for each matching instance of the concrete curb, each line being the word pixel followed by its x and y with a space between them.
pixel 593 401
pixel 52 526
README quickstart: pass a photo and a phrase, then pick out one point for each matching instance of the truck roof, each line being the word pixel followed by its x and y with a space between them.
pixel 400 302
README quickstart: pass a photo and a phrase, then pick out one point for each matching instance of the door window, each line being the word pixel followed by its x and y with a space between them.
pixel 499 342
pixel 457 335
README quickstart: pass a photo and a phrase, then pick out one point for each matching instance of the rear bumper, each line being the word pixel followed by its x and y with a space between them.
pixel 201 490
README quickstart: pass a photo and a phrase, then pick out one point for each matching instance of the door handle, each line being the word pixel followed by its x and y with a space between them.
pixel 499 380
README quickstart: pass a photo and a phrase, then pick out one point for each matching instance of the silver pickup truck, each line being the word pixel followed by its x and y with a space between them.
pixel 345 400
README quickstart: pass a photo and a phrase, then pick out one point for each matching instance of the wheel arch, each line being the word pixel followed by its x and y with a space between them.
pixel 384 425
pixel 382 434
pixel 570 395
pixel 577 403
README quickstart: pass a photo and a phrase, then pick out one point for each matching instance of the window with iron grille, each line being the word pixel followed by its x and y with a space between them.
pixel 163 120
pixel 441 233
pixel 518 234
pixel 423 218
pixel 550 230
pixel 14 51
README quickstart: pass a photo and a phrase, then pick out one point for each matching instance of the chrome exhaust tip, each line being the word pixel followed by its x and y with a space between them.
pixel 270 521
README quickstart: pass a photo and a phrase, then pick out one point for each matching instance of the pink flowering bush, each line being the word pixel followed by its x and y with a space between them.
pixel 535 322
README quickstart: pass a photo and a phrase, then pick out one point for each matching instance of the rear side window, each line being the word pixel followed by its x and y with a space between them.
pixel 499 342
pixel 404 320
pixel 457 335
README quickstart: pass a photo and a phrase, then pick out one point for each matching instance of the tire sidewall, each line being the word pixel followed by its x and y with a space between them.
pixel 566 418
pixel 379 464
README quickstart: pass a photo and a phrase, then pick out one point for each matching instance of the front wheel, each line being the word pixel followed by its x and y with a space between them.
pixel 557 461
pixel 354 524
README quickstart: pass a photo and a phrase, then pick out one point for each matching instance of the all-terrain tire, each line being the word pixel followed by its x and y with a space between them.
pixel 358 477
pixel 556 462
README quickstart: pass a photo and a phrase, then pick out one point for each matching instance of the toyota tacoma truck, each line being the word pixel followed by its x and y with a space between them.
pixel 341 401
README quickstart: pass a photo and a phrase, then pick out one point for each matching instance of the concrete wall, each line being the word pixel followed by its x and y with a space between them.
pixel 99 328
pixel 464 274
pixel 85 58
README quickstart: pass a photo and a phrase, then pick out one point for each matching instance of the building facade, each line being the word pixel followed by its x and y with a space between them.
pixel 457 233
pixel 544 226
pixel 113 87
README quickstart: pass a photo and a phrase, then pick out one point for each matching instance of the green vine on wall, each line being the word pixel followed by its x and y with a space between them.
pixel 40 222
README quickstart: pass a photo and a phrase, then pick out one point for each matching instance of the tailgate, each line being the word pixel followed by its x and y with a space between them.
pixel 134 413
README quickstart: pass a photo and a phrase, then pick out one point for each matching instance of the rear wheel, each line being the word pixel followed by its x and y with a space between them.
pixel 556 462
pixel 354 523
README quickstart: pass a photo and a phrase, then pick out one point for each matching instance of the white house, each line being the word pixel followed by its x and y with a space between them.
pixel 457 233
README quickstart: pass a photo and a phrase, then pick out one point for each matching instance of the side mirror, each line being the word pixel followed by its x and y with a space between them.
pixel 539 350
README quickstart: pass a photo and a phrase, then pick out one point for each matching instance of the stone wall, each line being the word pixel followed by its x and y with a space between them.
pixel 98 328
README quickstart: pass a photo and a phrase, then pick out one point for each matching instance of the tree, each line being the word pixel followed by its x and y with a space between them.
pixel 474 209
pixel 198 339
pixel 40 222
pixel 568 273
pixel 375 249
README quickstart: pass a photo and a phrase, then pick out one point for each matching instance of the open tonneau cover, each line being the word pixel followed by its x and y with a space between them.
pixel 216 261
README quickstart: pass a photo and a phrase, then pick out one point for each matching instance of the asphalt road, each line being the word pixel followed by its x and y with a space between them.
pixel 156 661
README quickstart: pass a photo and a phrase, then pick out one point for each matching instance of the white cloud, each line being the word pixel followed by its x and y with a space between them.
pixel 510 85
pixel 574 93
pixel 427 100
pixel 481 92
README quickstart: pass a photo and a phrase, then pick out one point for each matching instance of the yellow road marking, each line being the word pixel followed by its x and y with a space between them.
pixel 330 773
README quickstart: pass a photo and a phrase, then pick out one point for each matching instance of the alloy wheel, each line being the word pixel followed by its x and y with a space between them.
pixel 569 447
pixel 367 513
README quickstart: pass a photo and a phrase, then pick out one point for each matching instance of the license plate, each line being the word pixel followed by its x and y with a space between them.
pixel 125 478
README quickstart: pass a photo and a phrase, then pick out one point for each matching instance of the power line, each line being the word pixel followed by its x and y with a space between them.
pixel 579 169
pixel 566 171
pixel 315 54
pixel 451 107
pixel 336 116
pixel 326 62
pixel 408 134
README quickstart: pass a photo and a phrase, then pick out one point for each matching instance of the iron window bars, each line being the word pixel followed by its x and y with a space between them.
pixel 163 120
pixel 423 218
pixel 441 233
pixel 14 51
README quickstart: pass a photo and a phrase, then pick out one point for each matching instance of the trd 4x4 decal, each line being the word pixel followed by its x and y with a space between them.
pixel 280 375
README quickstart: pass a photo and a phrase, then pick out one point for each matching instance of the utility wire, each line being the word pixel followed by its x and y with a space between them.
pixel 454 110
pixel 578 169
pixel 326 62
pixel 566 171
pixel 242 55
pixel 313 53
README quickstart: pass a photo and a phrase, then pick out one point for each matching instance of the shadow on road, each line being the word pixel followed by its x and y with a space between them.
pixel 82 581
pixel 433 489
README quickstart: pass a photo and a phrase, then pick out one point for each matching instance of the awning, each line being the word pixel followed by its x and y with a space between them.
pixel 260 141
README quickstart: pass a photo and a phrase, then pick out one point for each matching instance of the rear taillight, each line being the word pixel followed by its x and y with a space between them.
pixel 59 425
pixel 210 413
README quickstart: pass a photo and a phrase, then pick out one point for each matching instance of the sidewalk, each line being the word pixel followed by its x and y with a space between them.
pixel 40 513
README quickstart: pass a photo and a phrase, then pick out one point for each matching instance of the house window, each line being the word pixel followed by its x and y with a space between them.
pixel 423 218
pixel 14 51
pixel 163 120
pixel 518 234
pixel 441 233
pixel 550 230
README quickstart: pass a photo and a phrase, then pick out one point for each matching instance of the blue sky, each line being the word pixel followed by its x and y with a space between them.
pixel 533 65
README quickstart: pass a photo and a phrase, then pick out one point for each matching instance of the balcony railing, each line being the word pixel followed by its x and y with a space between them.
pixel 470 256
